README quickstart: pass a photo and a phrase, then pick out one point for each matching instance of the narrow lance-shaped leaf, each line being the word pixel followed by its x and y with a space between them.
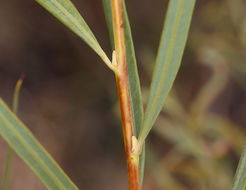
pixel 21 140
pixel 168 60
pixel 239 182
pixel 66 12
pixel 133 77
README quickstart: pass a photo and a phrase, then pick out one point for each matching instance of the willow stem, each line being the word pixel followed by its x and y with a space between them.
pixel 124 94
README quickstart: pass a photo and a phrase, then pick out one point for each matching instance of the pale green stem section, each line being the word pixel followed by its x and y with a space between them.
pixel 10 150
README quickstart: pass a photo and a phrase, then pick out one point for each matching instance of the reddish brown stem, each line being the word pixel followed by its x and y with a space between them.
pixel 124 94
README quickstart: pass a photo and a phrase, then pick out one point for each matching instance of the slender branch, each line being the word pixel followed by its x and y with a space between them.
pixel 124 95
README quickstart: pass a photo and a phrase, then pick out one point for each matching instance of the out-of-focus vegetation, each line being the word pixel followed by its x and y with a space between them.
pixel 197 140
pixel 203 120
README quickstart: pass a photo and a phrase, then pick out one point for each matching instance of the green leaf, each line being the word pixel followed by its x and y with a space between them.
pixel 239 182
pixel 65 11
pixel 108 16
pixel 168 59
pixel 133 77
pixel 21 140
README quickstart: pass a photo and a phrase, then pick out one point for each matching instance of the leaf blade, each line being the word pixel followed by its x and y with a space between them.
pixel 34 155
pixel 108 17
pixel 168 59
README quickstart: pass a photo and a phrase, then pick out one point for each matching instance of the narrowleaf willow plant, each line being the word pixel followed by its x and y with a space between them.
pixel 135 123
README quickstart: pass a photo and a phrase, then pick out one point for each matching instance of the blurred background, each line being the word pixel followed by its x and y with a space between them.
pixel 69 97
